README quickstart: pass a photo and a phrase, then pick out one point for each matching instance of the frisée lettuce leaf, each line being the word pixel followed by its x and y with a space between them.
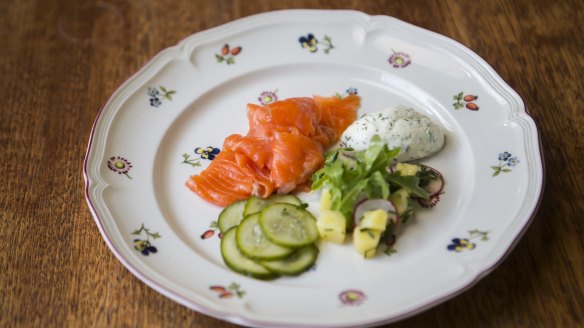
pixel 352 175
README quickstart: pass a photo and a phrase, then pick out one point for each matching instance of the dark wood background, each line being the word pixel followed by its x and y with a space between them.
pixel 60 61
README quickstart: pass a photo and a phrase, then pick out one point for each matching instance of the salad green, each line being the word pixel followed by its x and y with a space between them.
pixel 348 174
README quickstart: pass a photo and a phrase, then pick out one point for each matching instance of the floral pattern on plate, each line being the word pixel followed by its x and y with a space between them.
pixel 506 162
pixel 157 96
pixel 311 43
pixel 143 245
pixel 468 101
pixel 399 59
pixel 349 91
pixel 227 54
pixel 268 97
pixel 461 244
pixel 352 297
pixel 213 227
pixel 207 153
pixel 233 289
pixel 120 165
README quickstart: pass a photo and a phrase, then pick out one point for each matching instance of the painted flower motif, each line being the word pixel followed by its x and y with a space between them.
pixel 467 101
pixel 156 96
pixel 352 91
pixel 504 156
pixel 143 245
pixel 310 42
pixel 461 244
pixel 119 165
pixel 268 97
pixel 458 245
pixel 348 92
pixel 228 54
pixel 153 92
pixel 213 227
pixel 505 163
pixel 513 161
pixel 207 152
pixel 155 102
pixel 352 297
pixel 399 59
pixel 228 292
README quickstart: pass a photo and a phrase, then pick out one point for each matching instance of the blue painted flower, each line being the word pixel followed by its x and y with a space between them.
pixel 157 96
pixel 513 161
pixel 352 91
pixel 207 152
pixel 504 156
pixel 155 102
pixel 505 163
pixel 153 92
pixel 309 42
pixel 460 244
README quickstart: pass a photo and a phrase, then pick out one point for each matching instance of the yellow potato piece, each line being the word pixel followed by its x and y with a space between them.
pixel 400 200
pixel 332 226
pixel 326 200
pixel 366 241
pixel 376 220
pixel 407 169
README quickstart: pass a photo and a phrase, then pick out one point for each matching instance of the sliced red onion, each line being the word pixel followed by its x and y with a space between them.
pixel 372 205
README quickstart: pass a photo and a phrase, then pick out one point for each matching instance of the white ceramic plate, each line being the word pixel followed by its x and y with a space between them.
pixel 154 132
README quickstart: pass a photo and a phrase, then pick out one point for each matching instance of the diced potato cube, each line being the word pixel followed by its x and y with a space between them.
pixel 407 169
pixel 366 241
pixel 401 200
pixel 376 220
pixel 326 200
pixel 332 226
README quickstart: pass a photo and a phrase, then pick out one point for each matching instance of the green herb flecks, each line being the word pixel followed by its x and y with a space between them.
pixel 348 173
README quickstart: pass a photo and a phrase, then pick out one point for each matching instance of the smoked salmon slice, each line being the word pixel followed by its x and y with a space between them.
pixel 283 147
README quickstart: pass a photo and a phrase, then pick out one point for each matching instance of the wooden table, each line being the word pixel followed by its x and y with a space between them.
pixel 60 61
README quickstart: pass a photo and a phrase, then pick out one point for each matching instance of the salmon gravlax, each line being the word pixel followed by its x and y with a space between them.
pixel 284 146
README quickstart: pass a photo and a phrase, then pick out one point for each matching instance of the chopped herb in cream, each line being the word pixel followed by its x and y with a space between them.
pixel 403 127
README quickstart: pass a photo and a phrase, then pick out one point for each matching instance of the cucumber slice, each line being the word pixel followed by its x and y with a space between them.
pixel 293 265
pixel 256 204
pixel 231 216
pixel 240 263
pixel 288 225
pixel 252 242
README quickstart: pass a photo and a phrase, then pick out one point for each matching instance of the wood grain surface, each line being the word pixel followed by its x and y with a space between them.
pixel 61 60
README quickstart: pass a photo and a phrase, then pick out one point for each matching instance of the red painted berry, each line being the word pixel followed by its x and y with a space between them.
pixel 225 50
pixel 469 98
pixel 219 289
pixel 472 106
pixel 226 294
pixel 207 234
pixel 235 51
